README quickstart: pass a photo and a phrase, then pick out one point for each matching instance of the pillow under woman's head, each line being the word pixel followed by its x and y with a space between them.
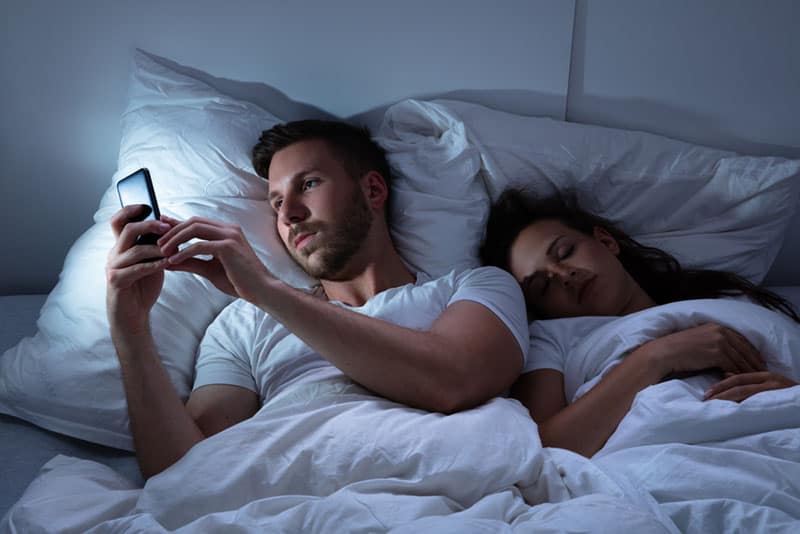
pixel 709 208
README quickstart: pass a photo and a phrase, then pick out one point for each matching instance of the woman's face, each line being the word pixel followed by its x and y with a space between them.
pixel 566 273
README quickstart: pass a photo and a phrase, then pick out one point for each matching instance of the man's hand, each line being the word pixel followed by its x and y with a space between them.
pixel 234 268
pixel 133 285
pixel 705 347
pixel 739 387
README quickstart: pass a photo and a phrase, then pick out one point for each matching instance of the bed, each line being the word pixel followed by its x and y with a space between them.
pixel 385 467
pixel 27 448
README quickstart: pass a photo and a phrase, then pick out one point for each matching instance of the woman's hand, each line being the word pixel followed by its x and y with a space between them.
pixel 739 387
pixel 704 347
pixel 234 268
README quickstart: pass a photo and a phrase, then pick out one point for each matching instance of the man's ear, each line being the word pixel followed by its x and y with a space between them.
pixel 375 190
pixel 602 235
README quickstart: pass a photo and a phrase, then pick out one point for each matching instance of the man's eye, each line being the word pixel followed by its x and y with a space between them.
pixel 566 252
pixel 310 183
pixel 277 205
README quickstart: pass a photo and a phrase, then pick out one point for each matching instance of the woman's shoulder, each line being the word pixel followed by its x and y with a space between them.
pixel 565 334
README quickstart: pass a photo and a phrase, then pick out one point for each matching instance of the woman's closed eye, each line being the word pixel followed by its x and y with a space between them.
pixel 565 252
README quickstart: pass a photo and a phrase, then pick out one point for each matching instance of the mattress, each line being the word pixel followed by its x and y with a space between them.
pixel 25 447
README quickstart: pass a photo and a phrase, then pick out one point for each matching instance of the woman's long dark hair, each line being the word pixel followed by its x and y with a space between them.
pixel 657 272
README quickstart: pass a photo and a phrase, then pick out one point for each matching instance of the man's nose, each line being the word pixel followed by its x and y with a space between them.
pixel 292 211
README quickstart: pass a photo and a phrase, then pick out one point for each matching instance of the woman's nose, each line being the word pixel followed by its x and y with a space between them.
pixel 567 275
pixel 561 273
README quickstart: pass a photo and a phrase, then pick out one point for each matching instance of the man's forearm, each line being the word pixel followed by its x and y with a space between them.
pixel 163 431
pixel 409 366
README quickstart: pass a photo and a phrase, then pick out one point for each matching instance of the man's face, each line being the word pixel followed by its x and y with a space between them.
pixel 322 215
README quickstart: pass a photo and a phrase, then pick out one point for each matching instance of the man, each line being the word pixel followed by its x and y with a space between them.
pixel 441 345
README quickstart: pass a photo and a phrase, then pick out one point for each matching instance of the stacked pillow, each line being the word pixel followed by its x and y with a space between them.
pixel 710 208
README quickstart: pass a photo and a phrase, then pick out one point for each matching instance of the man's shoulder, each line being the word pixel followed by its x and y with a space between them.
pixel 479 283
pixel 483 275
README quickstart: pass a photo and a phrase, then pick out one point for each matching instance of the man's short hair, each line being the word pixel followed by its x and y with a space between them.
pixel 351 145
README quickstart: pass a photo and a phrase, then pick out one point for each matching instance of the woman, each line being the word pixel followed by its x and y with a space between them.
pixel 573 264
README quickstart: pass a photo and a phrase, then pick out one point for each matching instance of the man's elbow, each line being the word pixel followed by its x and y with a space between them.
pixel 453 403
pixel 454 397
pixel 464 389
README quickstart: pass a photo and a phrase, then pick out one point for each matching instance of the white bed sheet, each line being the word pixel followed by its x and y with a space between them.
pixel 26 448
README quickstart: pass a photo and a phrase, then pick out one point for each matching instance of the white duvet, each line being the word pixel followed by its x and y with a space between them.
pixel 714 466
pixel 350 462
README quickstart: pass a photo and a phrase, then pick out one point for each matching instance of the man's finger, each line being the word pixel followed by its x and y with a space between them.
pixel 204 268
pixel 125 215
pixel 124 278
pixel 209 248
pixel 169 243
pixel 134 255
pixel 181 226
pixel 131 231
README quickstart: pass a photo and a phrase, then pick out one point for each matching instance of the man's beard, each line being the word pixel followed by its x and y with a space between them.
pixel 342 240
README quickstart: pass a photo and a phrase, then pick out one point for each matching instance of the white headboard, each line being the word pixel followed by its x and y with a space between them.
pixel 714 73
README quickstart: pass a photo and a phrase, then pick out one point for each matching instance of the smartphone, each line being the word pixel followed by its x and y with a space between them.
pixel 137 188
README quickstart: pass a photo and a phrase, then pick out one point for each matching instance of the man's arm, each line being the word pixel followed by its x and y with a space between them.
pixel 468 356
pixel 162 427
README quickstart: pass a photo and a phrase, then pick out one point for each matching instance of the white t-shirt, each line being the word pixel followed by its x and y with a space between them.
pixel 246 347
pixel 584 349
pixel 554 340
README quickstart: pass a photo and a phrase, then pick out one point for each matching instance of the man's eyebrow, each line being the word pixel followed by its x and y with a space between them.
pixel 298 176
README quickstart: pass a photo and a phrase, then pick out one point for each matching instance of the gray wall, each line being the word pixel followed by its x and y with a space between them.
pixel 725 74
pixel 718 72
pixel 722 73
pixel 64 72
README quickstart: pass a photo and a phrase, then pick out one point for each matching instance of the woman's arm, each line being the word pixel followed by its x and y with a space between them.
pixel 586 425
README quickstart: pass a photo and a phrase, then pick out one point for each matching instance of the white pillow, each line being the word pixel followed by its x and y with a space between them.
pixel 196 143
pixel 710 208
pixel 437 201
